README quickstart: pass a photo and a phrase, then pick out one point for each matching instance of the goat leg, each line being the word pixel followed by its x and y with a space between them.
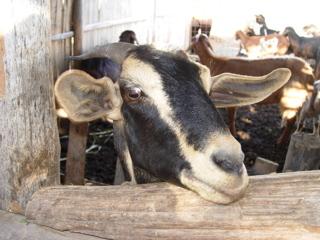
pixel 316 125
pixel 302 115
pixel 286 131
pixel 231 120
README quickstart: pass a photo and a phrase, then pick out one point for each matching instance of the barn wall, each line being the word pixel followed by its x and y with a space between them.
pixel 154 21
pixel 166 23
pixel 29 149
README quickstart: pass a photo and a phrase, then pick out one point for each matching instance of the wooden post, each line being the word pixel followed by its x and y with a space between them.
pixel 78 133
pixel 76 155
pixel 29 143
pixel 277 206
pixel 303 153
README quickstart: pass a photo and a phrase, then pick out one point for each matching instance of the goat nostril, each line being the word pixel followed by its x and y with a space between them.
pixel 229 165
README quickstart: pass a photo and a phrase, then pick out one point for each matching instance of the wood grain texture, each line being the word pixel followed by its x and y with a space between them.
pixel 76 155
pixel 61 16
pixel 15 227
pixel 303 153
pixel 2 75
pixel 277 207
pixel 29 149
pixel 78 133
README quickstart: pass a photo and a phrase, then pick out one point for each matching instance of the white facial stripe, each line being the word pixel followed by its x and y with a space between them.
pixel 150 81
pixel 203 168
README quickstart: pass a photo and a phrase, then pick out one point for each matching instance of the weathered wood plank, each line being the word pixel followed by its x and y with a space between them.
pixel 15 227
pixel 75 165
pixel 29 149
pixel 62 36
pixel 303 152
pixel 78 133
pixel 278 206
pixel 2 75
pixel 112 23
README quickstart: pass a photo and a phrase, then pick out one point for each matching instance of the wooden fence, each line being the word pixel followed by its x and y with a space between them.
pixel 61 35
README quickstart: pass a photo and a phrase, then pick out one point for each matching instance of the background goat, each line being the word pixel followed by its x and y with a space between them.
pixel 312 30
pixel 307 48
pixel 311 109
pixel 261 46
pixel 290 97
pixel 264 30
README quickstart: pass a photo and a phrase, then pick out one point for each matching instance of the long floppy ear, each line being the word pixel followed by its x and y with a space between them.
pixel 84 98
pixel 232 90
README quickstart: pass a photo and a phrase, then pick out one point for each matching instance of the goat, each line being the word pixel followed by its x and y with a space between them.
pixel 308 48
pixel 264 30
pixel 290 97
pixel 312 30
pixel 163 117
pixel 311 109
pixel 261 46
pixel 128 36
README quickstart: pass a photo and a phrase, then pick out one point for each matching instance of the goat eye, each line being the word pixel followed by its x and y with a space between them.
pixel 134 93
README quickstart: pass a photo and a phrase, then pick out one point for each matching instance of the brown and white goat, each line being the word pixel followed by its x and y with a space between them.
pixel 290 97
pixel 261 46
pixel 163 117
pixel 312 30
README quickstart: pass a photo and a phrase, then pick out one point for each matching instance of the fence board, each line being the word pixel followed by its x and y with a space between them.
pixel 61 12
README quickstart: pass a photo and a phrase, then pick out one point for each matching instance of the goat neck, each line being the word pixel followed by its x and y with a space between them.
pixel 242 36
pixel 293 37
pixel 207 56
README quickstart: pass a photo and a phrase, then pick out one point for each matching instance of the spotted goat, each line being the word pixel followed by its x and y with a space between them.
pixel 163 117
pixel 262 46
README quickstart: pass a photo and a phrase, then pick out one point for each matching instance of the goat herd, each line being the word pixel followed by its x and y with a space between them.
pixel 163 104
pixel 263 52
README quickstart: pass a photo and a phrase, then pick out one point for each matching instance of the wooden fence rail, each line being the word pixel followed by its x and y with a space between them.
pixel 277 207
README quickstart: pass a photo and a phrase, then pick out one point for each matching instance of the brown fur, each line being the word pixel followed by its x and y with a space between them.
pixel 301 79
pixel 252 43
pixel 311 109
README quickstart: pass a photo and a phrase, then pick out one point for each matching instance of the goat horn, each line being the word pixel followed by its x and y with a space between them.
pixel 115 51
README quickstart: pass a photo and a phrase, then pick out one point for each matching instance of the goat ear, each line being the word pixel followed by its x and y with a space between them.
pixel 84 98
pixel 232 90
